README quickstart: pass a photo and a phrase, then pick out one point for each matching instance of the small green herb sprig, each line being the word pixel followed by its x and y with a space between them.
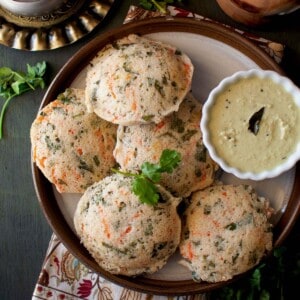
pixel 276 279
pixel 144 182
pixel 14 83
pixel 159 5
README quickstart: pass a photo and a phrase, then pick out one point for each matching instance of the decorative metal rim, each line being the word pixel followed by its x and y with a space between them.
pixel 69 23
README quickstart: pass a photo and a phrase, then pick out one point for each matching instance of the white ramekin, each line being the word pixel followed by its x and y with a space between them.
pixel 287 84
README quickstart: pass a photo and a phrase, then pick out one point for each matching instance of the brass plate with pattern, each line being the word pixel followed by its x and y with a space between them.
pixel 67 24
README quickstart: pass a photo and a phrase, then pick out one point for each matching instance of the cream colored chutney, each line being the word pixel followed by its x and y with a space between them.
pixel 254 124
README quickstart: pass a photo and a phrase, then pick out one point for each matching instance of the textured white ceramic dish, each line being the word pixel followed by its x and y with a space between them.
pixel 225 84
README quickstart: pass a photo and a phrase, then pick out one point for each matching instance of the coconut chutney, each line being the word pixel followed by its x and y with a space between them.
pixel 254 124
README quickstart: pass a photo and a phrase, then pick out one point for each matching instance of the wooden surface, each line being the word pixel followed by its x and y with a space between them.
pixel 24 231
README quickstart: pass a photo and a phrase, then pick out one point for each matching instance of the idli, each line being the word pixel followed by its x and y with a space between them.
pixel 226 232
pixel 137 80
pixel 71 147
pixel 124 235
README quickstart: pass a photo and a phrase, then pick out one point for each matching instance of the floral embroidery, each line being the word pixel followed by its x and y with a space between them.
pixel 179 12
pixel 44 278
pixel 132 295
pixel 63 277
pixel 85 287
pixel 71 269
pixel 106 294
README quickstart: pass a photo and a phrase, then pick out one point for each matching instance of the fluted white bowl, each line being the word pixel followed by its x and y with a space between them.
pixel 281 167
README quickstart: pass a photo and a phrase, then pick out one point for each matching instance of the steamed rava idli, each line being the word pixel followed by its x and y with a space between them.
pixel 137 80
pixel 71 147
pixel 124 235
pixel 179 131
pixel 226 231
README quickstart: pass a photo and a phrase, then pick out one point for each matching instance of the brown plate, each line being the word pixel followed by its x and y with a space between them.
pixel 216 52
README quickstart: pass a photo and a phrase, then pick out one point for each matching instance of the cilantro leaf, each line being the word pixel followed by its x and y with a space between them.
pixel 145 190
pixel 5 72
pixel 276 278
pixel 14 83
pixel 36 71
pixel 157 5
pixel 152 171
pixel 169 160
pixel 144 182
pixel 146 4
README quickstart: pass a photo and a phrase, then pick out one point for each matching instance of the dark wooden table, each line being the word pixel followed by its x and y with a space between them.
pixel 25 232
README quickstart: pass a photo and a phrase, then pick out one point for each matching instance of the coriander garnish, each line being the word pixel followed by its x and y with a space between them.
pixel 144 182
pixel 13 83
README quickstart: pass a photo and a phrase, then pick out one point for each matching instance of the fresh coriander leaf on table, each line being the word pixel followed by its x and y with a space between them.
pixel 14 83
pixel 144 182
pixel 159 5
pixel 275 279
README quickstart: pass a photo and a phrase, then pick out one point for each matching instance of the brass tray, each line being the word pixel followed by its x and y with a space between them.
pixel 64 26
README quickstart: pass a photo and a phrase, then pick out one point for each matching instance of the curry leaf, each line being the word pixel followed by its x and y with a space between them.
pixel 254 122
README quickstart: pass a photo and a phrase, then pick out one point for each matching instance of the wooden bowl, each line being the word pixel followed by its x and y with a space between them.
pixel 256 12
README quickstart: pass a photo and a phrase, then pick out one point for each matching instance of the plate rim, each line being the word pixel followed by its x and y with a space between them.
pixel 61 81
